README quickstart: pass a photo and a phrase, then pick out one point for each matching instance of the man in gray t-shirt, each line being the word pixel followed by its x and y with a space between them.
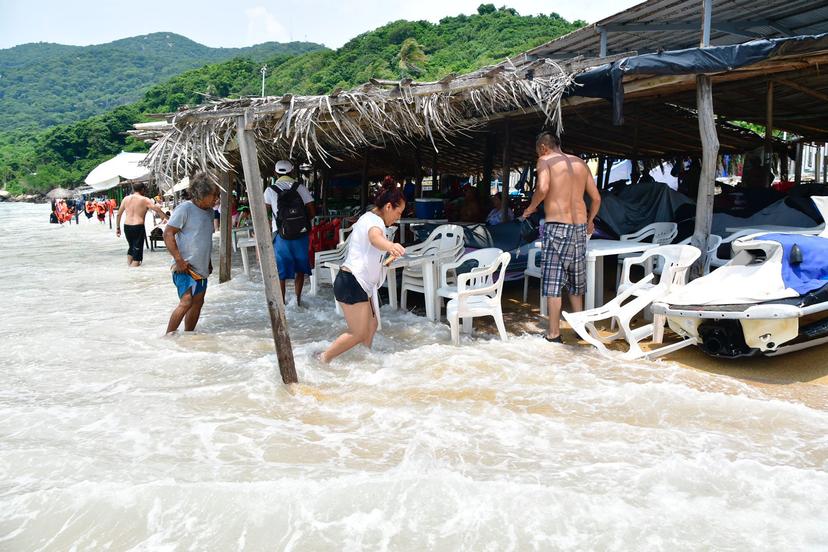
pixel 189 239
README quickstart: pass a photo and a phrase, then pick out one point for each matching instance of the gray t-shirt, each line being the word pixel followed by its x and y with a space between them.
pixel 195 238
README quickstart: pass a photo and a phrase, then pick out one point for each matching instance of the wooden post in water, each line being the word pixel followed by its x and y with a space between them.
pixel 710 153
pixel 225 236
pixel 270 274
pixel 507 168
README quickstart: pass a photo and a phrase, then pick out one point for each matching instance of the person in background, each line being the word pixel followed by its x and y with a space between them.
pixel 470 210
pixel 362 273
pixel 100 209
pixel 496 215
pixel 293 210
pixel 189 239
pixel 136 206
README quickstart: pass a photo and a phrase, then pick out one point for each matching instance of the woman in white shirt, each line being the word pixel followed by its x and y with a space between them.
pixel 363 272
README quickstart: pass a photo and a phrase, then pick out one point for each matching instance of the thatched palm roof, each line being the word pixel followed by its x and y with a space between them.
pixel 345 123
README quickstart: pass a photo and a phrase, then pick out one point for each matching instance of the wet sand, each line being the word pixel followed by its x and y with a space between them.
pixel 802 367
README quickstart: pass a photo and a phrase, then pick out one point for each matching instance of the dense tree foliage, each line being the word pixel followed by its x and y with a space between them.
pixel 64 154
pixel 46 84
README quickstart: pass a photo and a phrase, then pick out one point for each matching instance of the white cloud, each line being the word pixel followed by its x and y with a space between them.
pixel 262 26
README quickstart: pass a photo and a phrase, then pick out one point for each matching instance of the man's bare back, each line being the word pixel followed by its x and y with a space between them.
pixel 136 207
pixel 566 176
pixel 562 181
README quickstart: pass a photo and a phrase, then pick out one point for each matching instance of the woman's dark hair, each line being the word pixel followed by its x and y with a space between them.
pixel 394 196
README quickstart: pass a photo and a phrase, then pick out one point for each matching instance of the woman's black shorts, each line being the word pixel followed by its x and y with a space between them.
pixel 347 290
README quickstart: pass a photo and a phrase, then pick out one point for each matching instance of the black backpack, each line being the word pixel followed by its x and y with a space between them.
pixel 291 215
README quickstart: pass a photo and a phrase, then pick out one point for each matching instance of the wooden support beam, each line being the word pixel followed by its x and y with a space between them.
pixel 485 186
pixel 507 167
pixel 225 232
pixel 804 89
pixel 798 164
pixel 435 173
pixel 363 187
pixel 270 273
pixel 707 179
pixel 326 183
pixel 768 161
pixel 418 173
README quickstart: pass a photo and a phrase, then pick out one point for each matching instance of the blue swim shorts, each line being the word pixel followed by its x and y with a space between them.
pixel 184 283
pixel 292 256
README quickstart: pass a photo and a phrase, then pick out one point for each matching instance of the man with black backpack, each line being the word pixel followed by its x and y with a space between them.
pixel 293 210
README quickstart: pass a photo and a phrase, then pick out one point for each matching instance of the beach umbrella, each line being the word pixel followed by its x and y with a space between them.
pixel 60 193
pixel 109 173
pixel 182 185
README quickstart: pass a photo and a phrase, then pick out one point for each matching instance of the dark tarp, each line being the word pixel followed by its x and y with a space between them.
pixel 515 237
pixel 636 206
pixel 606 81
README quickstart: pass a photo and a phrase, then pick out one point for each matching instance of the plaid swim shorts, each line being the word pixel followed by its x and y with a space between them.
pixel 563 264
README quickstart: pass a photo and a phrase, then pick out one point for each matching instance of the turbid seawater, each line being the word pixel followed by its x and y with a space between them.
pixel 114 438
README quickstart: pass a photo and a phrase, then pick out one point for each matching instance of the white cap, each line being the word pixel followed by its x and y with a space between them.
pixel 284 166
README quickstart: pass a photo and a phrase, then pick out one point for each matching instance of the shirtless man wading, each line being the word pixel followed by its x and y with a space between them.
pixel 562 181
pixel 136 207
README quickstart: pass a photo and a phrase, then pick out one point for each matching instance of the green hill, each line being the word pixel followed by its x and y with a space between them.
pixel 43 84
pixel 64 154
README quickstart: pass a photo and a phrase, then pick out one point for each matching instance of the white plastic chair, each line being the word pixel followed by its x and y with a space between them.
pixel 713 244
pixel 661 233
pixel 333 264
pixel 634 298
pixel 533 270
pixel 473 301
pixel 448 273
pixel 321 259
pixel 446 243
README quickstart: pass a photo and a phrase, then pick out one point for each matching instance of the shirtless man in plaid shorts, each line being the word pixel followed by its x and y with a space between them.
pixel 563 180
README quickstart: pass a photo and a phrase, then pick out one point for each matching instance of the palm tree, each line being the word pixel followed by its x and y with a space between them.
pixel 411 56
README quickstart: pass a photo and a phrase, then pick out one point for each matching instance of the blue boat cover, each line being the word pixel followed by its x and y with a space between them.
pixel 812 272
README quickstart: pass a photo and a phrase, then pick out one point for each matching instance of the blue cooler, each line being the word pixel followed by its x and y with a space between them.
pixel 428 208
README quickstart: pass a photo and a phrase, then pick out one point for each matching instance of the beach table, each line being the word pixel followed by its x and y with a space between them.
pixel 429 264
pixel 405 222
pixel 597 249
pixel 239 233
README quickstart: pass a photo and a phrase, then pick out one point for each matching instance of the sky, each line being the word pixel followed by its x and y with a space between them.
pixel 237 23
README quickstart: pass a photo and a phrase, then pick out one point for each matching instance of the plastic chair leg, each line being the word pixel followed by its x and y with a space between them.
pixel 455 330
pixel 501 327
pixel 525 288
pixel 245 261
pixel 467 325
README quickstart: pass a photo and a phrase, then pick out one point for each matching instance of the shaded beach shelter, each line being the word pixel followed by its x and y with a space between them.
pixel 125 165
